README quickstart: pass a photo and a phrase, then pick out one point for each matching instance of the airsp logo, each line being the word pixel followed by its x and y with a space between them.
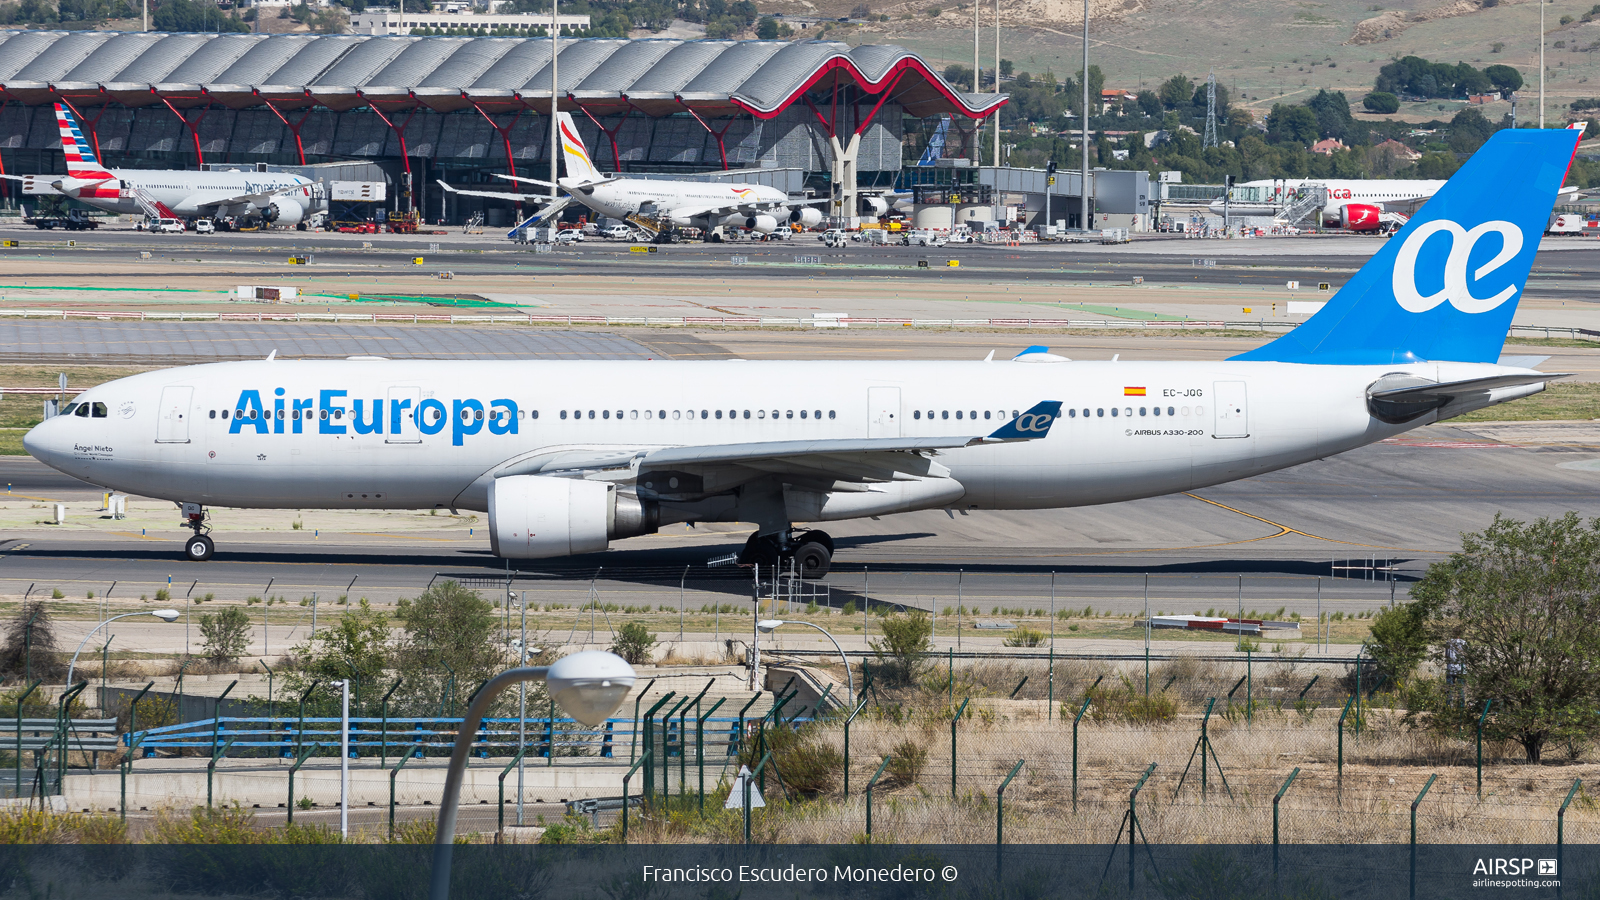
pixel 1455 291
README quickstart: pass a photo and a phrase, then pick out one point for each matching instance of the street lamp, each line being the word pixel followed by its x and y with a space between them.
pixel 165 615
pixel 589 686
pixel 767 625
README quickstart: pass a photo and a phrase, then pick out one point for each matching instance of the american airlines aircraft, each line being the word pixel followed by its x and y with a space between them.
pixel 279 198
pixel 758 207
pixel 567 456
pixel 1353 204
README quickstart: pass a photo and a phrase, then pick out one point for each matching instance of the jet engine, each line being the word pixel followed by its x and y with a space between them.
pixel 538 516
pixel 876 206
pixel 284 211
pixel 1359 217
pixel 761 224
pixel 805 216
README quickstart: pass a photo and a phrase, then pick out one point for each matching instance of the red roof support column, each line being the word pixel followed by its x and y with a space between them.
pixel 194 129
pixel 610 133
pixel 399 130
pixel 721 147
pixel 294 127
pixel 505 133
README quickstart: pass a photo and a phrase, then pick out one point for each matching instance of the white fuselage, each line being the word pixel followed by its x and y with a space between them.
pixel 1267 196
pixel 184 192
pixel 681 200
pixel 330 434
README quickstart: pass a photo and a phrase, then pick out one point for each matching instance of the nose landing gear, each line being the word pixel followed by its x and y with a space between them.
pixel 198 548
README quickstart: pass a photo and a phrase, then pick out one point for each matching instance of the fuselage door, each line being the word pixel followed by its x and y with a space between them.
pixel 173 425
pixel 401 416
pixel 883 410
pixel 1228 399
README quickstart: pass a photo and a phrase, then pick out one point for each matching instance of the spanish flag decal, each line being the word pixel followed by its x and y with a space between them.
pixel 1133 392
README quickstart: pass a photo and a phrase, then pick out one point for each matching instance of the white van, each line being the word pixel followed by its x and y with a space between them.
pixel 167 226
pixel 1566 223
pixel 925 238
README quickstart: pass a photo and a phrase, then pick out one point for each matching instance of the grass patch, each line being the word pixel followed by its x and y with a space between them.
pixel 1560 400
pixel 11 441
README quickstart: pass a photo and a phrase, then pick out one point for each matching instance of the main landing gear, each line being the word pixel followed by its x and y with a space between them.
pixel 810 553
pixel 200 547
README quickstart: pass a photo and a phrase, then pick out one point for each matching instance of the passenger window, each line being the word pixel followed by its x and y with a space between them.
pixel 819 414
pixel 704 414
pixel 295 414
pixel 213 414
pixel 563 414
pixel 1170 411
pixel 986 414
pixel 619 415
pixel 633 414
pixel 1127 410
pixel 662 414
pixel 747 414
pixel 945 414
pixel 973 414
pixel 337 414
pixel 831 413
pixel 1141 410
pixel 478 414
pixel 591 413
pixel 280 415
pixel 719 413
pixel 916 414
pixel 1113 412
pixel 535 414
pixel 791 414
pixel 1072 414
pixel 958 414
pixel 761 414
pixel 1101 413
pixel 675 414
pixel 605 413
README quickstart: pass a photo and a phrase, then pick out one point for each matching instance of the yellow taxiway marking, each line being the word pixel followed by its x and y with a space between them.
pixel 31 497
pixel 1287 530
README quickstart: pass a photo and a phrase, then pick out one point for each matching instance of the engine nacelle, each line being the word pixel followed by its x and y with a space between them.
pixel 876 206
pixel 284 211
pixel 1359 217
pixel 539 517
pixel 805 216
pixel 761 224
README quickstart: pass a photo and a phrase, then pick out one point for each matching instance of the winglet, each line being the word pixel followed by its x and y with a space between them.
pixel 1031 425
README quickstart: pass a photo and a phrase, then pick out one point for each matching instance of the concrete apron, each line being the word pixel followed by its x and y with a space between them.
pixel 268 786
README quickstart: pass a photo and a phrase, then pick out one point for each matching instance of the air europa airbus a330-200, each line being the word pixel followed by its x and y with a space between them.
pixel 567 456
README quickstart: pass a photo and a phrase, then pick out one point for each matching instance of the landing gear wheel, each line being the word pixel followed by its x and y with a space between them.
pixel 758 550
pixel 812 536
pixel 199 548
pixel 812 560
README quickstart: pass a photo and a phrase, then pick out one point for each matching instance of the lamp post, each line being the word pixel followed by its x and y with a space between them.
pixel 766 626
pixel 589 686
pixel 165 615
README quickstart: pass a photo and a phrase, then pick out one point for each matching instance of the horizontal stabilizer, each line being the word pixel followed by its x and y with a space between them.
pixel 1401 398
pixel 1031 425
pixel 1452 389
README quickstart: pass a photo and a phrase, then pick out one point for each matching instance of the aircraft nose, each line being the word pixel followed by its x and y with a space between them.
pixel 46 443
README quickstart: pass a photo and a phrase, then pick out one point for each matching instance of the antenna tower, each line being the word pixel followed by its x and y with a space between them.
pixel 1210 139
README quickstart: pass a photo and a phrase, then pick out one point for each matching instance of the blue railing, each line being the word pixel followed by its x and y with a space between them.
pixel 370 736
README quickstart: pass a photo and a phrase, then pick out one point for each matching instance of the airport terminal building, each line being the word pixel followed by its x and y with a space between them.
pixel 462 109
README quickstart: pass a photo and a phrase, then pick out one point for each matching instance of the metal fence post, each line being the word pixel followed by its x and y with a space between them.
pixel 636 701
pixel 1414 804
pixel 404 758
pixel 870 785
pixel 748 783
pixel 300 724
pixel 1481 718
pixel 953 722
pixel 500 809
pixel 1340 728
pixel 1275 798
pixel 1561 821
pixel 1133 820
pixel 647 743
pixel 63 717
pixel 16 786
pixel 300 761
pixel 211 767
pixel 666 746
pixel 1249 687
pixel 127 763
pixel 383 746
pixel 1000 821
pixel 216 715
pixel 1075 720
pixel 852 718
pixel 644 760
pixel 700 749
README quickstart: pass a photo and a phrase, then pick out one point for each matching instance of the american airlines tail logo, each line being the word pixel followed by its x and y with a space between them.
pixel 1456 289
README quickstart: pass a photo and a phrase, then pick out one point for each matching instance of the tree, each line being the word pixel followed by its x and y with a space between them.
pixel 448 646
pixel 1503 77
pixel 1523 600
pixel 1292 125
pixel 355 646
pixel 1468 130
pixel 1437 166
pixel 633 643
pixel 767 29
pixel 1381 102
pixel 1176 91
pixel 30 649
pixel 193 15
pixel 226 634
pixel 1333 115
pixel 1399 641
pixel 958 75
pixel 903 650
pixel 1149 103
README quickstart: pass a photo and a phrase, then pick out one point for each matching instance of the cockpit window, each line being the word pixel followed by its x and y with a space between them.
pixel 77 409
pixel 99 411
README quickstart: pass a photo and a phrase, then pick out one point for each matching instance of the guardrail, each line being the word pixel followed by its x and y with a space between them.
pixel 373 736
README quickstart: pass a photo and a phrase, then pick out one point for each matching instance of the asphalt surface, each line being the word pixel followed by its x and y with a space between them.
pixel 1562 268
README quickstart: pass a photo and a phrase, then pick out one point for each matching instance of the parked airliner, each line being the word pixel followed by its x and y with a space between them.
pixel 1355 204
pixel 567 456
pixel 277 197
pixel 758 207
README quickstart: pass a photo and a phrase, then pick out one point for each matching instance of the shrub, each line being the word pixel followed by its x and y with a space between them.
pixel 29 647
pixel 215 825
pixel 1024 636
pixel 903 650
pixel 226 634
pixel 849 608
pixel 634 642
pixel 31 826
pixel 163 595
pixel 55 594
pixel 907 759
pixel 1381 102
pixel 806 764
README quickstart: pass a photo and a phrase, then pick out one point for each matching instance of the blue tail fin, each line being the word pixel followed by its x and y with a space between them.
pixel 1446 285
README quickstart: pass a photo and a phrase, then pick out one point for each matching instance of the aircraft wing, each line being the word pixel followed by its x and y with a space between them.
pixel 858 460
pixel 257 199
pixel 498 195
